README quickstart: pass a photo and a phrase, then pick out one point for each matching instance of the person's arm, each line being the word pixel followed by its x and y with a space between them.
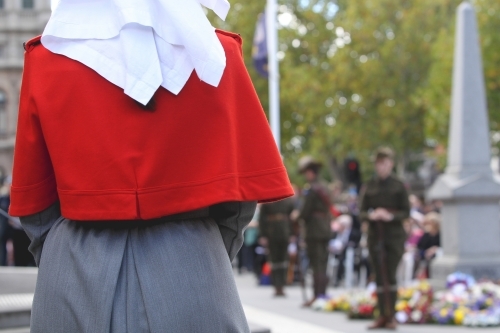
pixel 289 211
pixel 364 206
pixel 37 226
pixel 403 211
pixel 232 219
pixel 423 245
pixel 354 237
pixel 262 222
pixel 307 207
pixel 290 207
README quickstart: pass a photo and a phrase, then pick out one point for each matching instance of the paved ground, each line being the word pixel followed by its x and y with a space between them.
pixel 16 330
pixel 284 315
pixel 17 280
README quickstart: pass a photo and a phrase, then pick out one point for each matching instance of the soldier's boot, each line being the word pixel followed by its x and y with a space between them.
pixel 278 292
pixel 379 323
pixel 326 280
pixel 322 284
pixel 315 284
pixel 309 302
pixel 391 324
pixel 391 321
pixel 315 288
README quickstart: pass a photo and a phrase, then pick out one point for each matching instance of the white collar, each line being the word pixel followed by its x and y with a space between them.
pixel 140 45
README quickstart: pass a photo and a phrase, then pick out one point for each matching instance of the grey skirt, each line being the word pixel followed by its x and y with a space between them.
pixel 155 278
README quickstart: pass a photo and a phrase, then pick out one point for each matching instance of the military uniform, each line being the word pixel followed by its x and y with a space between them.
pixel 275 225
pixel 386 239
pixel 316 216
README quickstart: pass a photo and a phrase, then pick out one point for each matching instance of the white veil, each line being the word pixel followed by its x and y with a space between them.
pixel 140 45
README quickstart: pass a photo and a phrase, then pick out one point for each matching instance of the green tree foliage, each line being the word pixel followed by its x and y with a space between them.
pixel 364 67
pixel 356 74
pixel 242 19
pixel 435 96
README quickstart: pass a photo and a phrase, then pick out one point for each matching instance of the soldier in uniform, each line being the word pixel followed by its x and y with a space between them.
pixel 275 230
pixel 315 213
pixel 385 205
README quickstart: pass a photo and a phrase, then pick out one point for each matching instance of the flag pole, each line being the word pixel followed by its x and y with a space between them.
pixel 274 84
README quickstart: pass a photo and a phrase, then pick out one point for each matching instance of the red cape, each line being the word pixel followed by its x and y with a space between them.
pixel 82 141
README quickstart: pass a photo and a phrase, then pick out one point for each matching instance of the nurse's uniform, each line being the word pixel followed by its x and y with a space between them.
pixel 141 153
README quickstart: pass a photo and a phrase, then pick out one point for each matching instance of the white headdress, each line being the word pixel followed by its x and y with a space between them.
pixel 140 45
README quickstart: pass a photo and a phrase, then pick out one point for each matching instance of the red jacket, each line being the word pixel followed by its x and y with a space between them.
pixel 82 141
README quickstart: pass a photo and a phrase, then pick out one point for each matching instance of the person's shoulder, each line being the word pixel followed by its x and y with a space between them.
pixel 287 203
pixel 397 181
pixel 306 190
pixel 323 183
pixel 35 51
pixel 230 41
pixel 371 182
pixel 229 37
pixel 320 187
pixel 36 58
pixel 319 183
pixel 31 44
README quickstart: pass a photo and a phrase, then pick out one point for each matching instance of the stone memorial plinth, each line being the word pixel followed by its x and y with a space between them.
pixel 470 231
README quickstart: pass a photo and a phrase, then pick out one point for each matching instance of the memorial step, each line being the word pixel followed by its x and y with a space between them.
pixel 16 330
pixel 16 296
pixel 15 312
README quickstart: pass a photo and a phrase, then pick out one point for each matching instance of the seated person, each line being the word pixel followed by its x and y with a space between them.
pixel 430 242
pixel 414 229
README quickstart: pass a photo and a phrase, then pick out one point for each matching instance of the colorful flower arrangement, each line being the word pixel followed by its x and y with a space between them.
pixel 363 306
pixel 464 302
pixel 358 304
pixel 341 303
pixel 414 303
pixel 468 303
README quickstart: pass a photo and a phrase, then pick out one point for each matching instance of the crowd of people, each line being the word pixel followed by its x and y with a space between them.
pixel 343 236
pixel 423 242
pixel 361 230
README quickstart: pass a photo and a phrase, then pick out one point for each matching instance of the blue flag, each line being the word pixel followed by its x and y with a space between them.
pixel 259 49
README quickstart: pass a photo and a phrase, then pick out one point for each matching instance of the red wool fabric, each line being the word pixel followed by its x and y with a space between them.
pixel 82 141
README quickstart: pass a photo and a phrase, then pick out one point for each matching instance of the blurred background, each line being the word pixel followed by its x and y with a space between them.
pixel 19 21
pixel 354 75
pixel 358 74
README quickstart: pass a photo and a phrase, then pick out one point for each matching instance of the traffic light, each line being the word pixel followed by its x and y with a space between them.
pixel 352 172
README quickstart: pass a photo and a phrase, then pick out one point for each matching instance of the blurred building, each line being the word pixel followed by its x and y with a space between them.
pixel 20 20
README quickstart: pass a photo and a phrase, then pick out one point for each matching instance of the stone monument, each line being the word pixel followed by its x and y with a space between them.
pixel 470 231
